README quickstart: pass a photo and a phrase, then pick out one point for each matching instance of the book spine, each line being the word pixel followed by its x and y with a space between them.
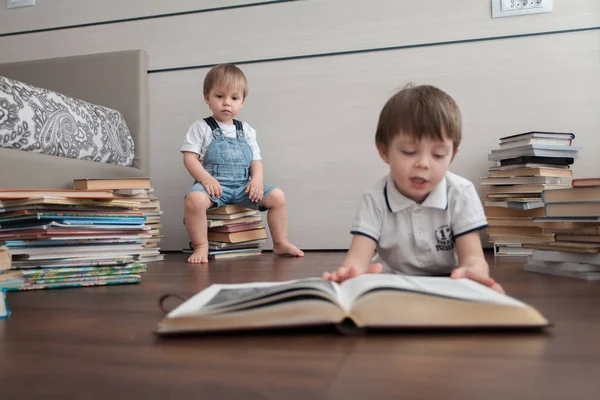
pixel 73 284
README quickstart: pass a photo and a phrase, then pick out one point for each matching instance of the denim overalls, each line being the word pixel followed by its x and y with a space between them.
pixel 228 161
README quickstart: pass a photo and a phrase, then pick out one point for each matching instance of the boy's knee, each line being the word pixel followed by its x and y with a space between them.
pixel 197 201
pixel 275 199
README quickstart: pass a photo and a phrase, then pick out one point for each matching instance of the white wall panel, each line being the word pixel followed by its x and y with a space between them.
pixel 316 119
pixel 56 13
pixel 503 86
pixel 294 28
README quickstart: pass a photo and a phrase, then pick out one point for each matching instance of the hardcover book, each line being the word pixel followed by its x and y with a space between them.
pixel 367 301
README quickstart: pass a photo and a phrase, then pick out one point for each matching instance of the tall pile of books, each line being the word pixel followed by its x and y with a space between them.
pixel 572 216
pixel 234 232
pixel 525 165
pixel 65 238
pixel 135 190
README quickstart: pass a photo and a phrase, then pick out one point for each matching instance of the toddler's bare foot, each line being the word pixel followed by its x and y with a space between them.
pixel 200 254
pixel 287 249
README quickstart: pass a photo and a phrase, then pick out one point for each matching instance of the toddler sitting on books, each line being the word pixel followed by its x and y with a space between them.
pixel 223 157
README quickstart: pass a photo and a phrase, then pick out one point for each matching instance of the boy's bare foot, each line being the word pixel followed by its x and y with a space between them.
pixel 200 254
pixel 287 249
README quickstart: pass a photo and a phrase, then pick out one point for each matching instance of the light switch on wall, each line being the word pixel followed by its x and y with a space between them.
pixel 19 3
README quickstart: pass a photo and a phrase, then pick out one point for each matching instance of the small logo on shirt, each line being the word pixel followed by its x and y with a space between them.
pixel 444 238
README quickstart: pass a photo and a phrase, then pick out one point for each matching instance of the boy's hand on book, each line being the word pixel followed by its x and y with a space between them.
pixel 344 273
pixel 212 187
pixel 464 272
pixel 255 190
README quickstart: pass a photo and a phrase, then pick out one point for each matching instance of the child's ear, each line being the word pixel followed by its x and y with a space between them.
pixel 382 149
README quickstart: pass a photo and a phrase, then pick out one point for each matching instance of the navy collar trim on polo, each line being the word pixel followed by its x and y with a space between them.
pixel 396 201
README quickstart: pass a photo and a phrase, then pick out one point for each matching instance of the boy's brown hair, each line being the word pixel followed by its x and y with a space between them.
pixel 226 75
pixel 422 112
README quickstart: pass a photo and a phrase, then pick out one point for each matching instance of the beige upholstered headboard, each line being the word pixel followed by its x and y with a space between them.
pixel 117 80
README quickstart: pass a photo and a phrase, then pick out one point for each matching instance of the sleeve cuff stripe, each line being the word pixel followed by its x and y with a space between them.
pixel 471 230
pixel 363 234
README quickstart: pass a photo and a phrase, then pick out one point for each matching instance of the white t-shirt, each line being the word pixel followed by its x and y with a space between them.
pixel 418 239
pixel 199 137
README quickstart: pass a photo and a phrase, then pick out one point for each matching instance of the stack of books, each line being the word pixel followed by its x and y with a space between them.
pixel 64 238
pixel 137 190
pixel 568 264
pixel 525 165
pixel 572 216
pixel 234 232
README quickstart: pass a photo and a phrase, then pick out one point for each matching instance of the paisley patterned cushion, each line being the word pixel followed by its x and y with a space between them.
pixel 43 121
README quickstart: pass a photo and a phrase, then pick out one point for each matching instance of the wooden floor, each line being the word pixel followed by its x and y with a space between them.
pixel 89 343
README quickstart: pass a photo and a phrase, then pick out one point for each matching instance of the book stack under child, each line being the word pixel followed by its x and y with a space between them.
pixel 137 190
pixel 572 216
pixel 64 238
pixel 524 165
pixel 234 232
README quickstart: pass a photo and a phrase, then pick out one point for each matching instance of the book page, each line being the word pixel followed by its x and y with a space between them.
pixel 355 287
pixel 464 289
pixel 220 296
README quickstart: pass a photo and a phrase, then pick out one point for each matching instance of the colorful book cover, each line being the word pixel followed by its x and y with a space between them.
pixel 82 271
pixel 83 279
pixel 74 228
pixel 69 242
pixel 75 262
pixel 24 286
pixel 72 249
pixel 71 219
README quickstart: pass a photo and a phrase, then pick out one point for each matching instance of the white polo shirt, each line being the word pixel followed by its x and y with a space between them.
pixel 418 239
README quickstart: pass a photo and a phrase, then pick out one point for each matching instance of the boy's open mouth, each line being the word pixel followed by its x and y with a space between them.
pixel 418 180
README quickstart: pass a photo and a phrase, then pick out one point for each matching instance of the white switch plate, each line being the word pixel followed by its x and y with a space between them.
pixel 19 3
pixel 511 8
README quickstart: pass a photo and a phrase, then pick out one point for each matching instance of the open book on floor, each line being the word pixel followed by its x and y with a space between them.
pixel 368 301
